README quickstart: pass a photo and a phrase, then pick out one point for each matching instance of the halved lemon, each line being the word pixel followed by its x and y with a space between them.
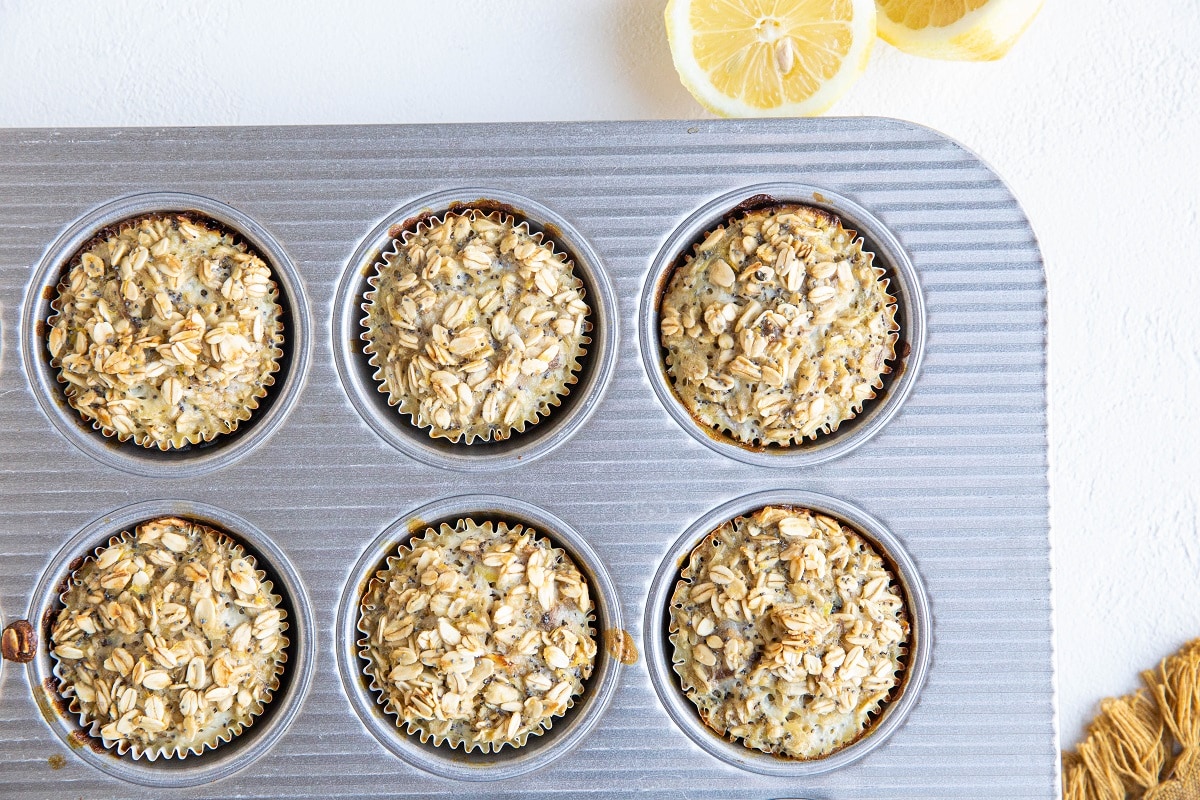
pixel 957 30
pixel 754 58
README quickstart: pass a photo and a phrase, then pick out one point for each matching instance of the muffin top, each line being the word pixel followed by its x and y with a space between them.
pixel 478 634
pixel 166 331
pixel 778 327
pixel 475 326
pixel 169 640
pixel 788 630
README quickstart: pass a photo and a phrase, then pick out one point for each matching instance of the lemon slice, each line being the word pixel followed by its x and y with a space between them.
pixel 754 58
pixel 958 30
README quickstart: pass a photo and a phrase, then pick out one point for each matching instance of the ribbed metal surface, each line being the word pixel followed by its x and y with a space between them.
pixel 959 476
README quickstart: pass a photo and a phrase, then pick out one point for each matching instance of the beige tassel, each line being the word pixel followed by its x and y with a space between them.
pixel 1128 750
pixel 1095 752
pixel 1133 740
pixel 1124 751
pixel 1175 686
pixel 1077 781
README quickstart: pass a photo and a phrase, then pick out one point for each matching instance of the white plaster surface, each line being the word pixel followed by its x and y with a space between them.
pixel 1094 119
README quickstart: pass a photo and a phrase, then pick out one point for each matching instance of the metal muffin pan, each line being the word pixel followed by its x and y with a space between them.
pixel 957 475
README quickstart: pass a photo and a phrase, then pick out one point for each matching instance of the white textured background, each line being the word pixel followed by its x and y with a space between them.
pixel 1094 119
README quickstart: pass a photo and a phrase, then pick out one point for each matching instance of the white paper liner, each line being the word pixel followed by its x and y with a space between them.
pixel 679 662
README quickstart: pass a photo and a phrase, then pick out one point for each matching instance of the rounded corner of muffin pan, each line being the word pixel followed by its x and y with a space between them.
pixel 356 374
pixel 455 763
pixel 128 456
pixel 904 285
pixel 244 748
pixel 683 713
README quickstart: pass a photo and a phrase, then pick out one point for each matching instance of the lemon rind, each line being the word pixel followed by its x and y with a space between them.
pixel 985 34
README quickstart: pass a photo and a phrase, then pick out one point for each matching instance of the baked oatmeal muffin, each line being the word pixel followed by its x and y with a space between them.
pixel 475 326
pixel 778 327
pixel 478 635
pixel 169 641
pixel 788 632
pixel 166 330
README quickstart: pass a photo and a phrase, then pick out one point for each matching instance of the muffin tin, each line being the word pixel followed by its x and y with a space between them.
pixel 323 482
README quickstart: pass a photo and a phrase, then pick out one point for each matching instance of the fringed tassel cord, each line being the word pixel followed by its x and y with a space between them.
pixel 1145 745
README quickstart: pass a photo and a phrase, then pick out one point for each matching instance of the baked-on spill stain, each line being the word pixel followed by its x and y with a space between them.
pixel 754 202
pixel 397 230
pixel 819 198
pixel 77 738
pixel 417 525
pixel 55 701
pixel 39 328
pixel 48 292
pixel 19 642
pixel 620 646
pixel 56 761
